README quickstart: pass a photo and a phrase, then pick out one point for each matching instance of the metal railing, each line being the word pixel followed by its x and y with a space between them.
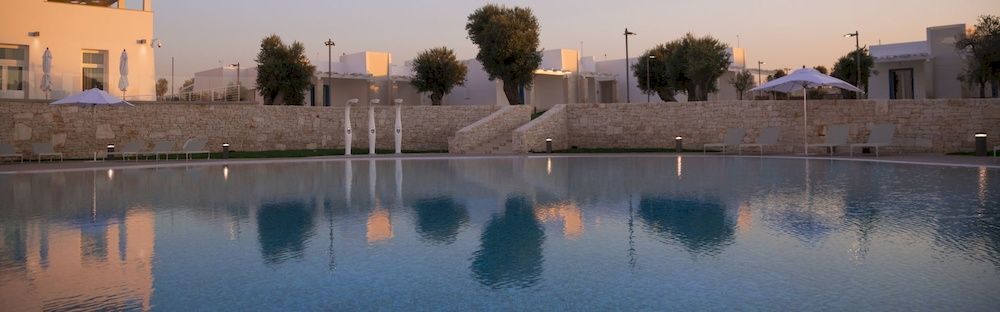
pixel 224 94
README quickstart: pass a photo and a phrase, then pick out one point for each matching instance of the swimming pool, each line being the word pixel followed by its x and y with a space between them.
pixel 566 233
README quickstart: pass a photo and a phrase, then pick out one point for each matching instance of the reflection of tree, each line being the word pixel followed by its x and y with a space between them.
pixel 14 249
pixel 439 219
pixel 700 226
pixel 510 253
pixel 283 230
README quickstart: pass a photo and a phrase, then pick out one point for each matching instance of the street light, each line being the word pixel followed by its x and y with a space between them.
pixel 628 95
pixel 760 81
pixel 329 69
pixel 857 53
pixel 238 91
pixel 648 86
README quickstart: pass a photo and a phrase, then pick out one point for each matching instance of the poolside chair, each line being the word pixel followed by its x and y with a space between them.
pixel 195 146
pixel 162 148
pixel 881 136
pixel 8 151
pixel 836 135
pixel 768 137
pixel 45 149
pixel 734 136
pixel 130 148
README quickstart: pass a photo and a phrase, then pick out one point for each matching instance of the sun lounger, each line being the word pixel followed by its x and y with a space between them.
pixel 768 137
pixel 45 149
pixel 162 148
pixel 734 136
pixel 195 146
pixel 835 136
pixel 881 136
pixel 8 151
pixel 131 148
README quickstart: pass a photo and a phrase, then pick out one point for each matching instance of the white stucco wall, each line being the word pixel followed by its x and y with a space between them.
pixel 67 30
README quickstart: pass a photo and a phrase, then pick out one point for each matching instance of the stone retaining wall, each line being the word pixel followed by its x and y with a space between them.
pixel 552 125
pixel 921 125
pixel 501 122
pixel 78 132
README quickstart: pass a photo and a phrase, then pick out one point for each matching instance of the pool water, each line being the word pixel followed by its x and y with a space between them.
pixel 566 233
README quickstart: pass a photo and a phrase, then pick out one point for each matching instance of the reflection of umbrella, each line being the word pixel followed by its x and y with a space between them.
pixel 47 72
pixel 802 79
pixel 92 97
pixel 123 69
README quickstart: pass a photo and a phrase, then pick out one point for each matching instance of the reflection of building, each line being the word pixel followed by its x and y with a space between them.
pixel 379 226
pixel 568 212
pixel 110 261
pixel 922 69
pixel 84 54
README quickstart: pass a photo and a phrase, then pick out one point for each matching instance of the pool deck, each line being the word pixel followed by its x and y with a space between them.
pixel 86 165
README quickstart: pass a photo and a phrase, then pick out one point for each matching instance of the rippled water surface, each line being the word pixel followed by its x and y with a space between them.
pixel 583 233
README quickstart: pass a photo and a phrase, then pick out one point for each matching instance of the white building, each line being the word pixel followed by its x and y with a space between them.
pixel 923 69
pixel 86 39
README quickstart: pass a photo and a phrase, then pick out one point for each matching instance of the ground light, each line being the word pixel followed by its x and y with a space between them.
pixel 548 145
pixel 225 150
pixel 678 144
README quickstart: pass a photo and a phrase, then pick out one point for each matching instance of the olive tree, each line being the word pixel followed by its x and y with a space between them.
pixel 437 71
pixel 688 65
pixel 283 71
pixel 508 45
pixel 742 82
pixel 161 87
pixel 983 49
pixel 846 69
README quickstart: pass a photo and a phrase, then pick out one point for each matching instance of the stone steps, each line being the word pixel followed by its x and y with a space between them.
pixel 499 145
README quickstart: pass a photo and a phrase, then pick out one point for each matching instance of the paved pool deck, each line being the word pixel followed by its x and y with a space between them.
pixel 9 167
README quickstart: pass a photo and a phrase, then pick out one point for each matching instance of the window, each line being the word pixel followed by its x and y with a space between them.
pixel 901 84
pixel 94 69
pixel 11 53
pixel 13 67
pixel 15 78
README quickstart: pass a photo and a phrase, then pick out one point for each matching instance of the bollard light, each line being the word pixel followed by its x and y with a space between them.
pixel 225 150
pixel 678 144
pixel 980 143
pixel 548 146
pixel 111 148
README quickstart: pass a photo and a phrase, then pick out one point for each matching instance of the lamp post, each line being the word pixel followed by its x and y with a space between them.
pixel 857 59
pixel 329 68
pixel 648 86
pixel 628 94
pixel 760 81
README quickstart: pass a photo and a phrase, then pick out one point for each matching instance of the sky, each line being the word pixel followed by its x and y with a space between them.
pixel 202 34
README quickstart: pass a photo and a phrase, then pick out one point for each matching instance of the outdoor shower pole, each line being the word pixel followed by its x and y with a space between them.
pixel 628 94
pixel 329 70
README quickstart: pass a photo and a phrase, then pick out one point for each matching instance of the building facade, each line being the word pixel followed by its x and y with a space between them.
pixel 86 40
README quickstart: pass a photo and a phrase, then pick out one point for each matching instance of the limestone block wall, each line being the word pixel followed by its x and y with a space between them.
pixel 921 125
pixel 501 122
pixel 78 132
pixel 552 125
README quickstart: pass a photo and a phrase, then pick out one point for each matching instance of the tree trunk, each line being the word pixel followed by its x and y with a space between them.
pixel 279 99
pixel 436 98
pixel 510 90
pixel 666 95
pixel 982 89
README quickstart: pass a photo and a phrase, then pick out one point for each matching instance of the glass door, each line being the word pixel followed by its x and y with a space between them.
pixel 12 81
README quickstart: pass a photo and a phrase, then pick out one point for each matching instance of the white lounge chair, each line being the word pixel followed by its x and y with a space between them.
pixel 8 151
pixel 734 136
pixel 768 137
pixel 835 136
pixel 45 149
pixel 195 146
pixel 881 136
pixel 162 148
pixel 130 148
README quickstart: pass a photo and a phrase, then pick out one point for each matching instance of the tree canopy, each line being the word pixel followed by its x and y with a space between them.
pixel 742 82
pixel 283 71
pixel 846 69
pixel 437 71
pixel 983 48
pixel 777 74
pixel 688 65
pixel 161 87
pixel 822 69
pixel 508 45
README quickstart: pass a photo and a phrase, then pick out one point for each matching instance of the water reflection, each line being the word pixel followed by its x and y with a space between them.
pixel 701 227
pixel 439 219
pixel 284 230
pixel 510 250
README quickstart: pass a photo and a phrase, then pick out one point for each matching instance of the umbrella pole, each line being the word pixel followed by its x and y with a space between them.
pixel 805 122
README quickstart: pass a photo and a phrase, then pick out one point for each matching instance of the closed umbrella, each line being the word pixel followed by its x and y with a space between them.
pixel 123 69
pixel 47 72
pixel 800 80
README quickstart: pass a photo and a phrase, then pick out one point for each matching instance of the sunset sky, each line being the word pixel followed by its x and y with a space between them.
pixel 784 33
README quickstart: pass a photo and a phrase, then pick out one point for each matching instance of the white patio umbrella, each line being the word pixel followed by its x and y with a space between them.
pixel 123 70
pixel 803 79
pixel 46 72
pixel 93 97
